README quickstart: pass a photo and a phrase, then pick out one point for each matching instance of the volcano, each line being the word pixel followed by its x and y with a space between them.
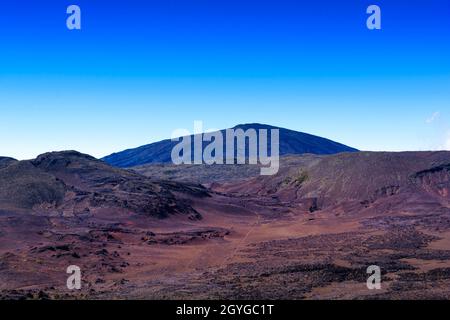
pixel 291 142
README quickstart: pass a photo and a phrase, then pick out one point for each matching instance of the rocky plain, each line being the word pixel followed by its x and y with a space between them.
pixel 161 231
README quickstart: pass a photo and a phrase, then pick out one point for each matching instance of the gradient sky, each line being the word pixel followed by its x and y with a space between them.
pixel 138 70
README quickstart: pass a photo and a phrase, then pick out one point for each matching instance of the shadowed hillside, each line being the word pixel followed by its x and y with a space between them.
pixel 72 183
pixel 6 161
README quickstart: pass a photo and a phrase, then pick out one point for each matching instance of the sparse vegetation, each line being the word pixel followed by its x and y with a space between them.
pixel 297 179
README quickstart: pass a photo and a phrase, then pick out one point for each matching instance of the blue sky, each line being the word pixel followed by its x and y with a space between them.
pixel 138 70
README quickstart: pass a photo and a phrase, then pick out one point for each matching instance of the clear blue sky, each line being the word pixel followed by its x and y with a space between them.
pixel 140 69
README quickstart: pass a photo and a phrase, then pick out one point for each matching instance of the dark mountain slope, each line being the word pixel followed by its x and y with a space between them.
pixel 291 142
pixel 6 161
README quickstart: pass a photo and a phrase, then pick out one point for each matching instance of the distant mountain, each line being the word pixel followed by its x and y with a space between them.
pixel 291 142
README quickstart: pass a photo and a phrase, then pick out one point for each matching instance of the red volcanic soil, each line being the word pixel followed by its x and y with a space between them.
pixel 309 232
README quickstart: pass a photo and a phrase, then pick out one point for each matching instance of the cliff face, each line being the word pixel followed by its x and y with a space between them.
pixel 435 180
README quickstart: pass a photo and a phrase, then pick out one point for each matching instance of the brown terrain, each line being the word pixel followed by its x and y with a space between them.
pixel 223 232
